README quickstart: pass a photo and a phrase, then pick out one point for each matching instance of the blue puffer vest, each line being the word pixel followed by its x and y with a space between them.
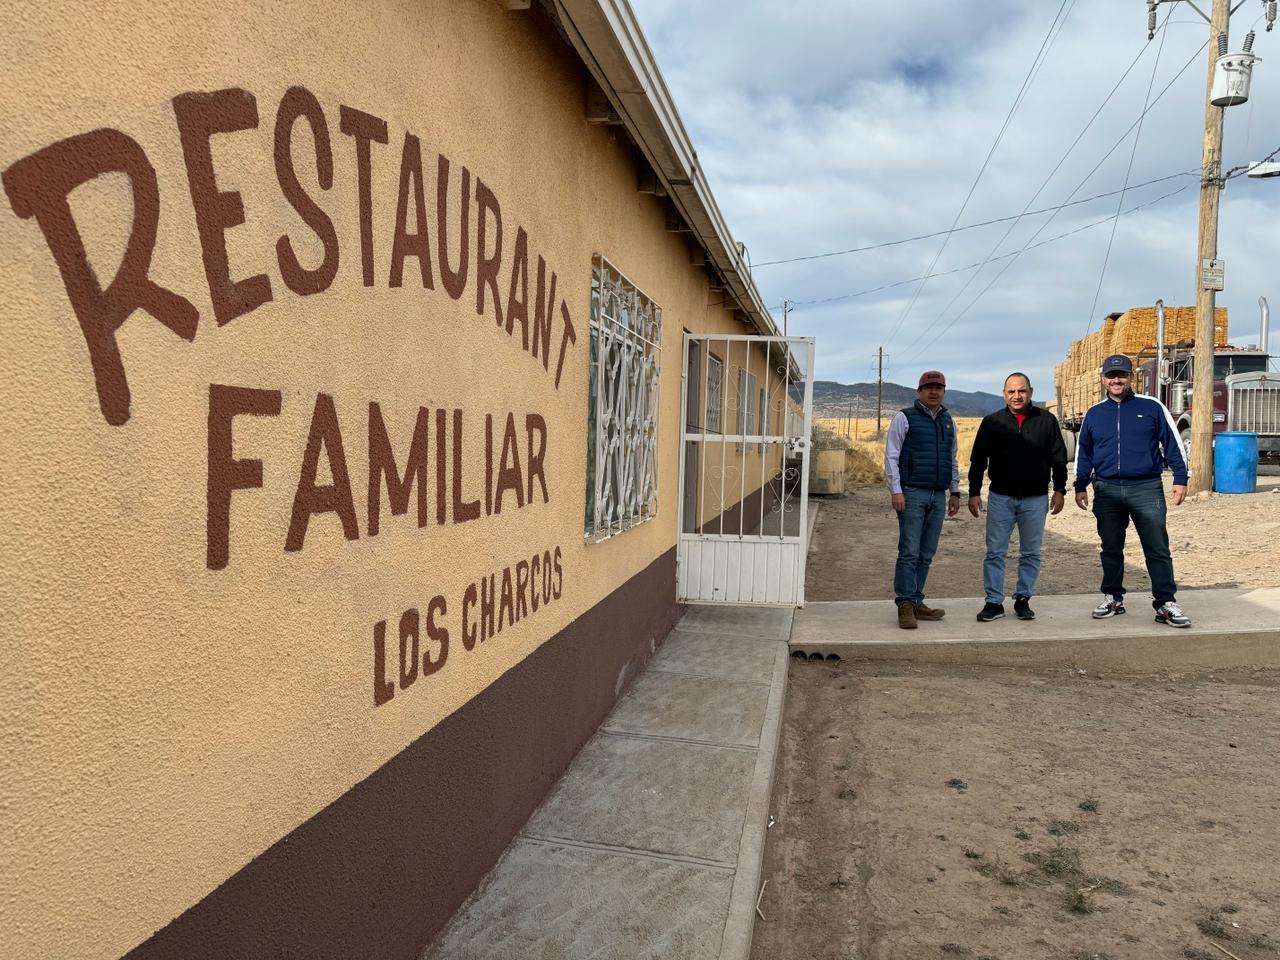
pixel 926 452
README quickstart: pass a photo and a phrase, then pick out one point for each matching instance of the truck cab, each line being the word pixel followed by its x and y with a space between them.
pixel 1245 395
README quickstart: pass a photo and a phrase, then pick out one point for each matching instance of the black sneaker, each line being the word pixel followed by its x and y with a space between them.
pixel 1022 608
pixel 991 611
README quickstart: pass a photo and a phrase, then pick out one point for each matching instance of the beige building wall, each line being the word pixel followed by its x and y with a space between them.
pixel 170 714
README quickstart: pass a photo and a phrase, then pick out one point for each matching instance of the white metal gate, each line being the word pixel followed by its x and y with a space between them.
pixel 746 413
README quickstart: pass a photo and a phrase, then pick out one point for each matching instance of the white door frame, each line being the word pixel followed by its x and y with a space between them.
pixel 758 556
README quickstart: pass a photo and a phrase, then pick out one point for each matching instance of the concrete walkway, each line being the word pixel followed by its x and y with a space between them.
pixel 650 846
pixel 1230 628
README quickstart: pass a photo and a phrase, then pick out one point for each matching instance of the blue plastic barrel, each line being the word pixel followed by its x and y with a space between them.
pixel 1235 462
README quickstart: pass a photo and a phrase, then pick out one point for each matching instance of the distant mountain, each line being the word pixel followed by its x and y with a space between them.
pixel 831 399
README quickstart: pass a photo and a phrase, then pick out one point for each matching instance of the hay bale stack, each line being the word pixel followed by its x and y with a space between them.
pixel 1135 330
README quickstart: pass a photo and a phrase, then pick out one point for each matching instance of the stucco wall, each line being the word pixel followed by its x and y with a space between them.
pixel 167 716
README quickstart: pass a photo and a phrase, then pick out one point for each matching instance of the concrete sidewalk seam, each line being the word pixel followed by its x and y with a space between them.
pixel 718 865
pixel 742 748
pixel 711 676
pixel 695 632
pixel 735 943
pixel 615 731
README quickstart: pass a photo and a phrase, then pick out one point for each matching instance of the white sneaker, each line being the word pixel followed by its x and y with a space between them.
pixel 1172 614
pixel 1109 607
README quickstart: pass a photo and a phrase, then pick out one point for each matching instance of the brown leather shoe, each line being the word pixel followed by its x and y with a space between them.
pixel 928 613
pixel 907 615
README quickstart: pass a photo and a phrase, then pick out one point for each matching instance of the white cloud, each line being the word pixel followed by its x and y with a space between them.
pixel 839 124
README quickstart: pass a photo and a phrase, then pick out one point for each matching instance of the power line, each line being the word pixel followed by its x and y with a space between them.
pixel 981 223
pixel 971 266
pixel 1013 256
pixel 1044 183
pixel 1086 179
pixel 1017 101
pixel 1245 167
pixel 1164 33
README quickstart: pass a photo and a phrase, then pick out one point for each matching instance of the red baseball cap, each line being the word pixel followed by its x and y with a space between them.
pixel 932 376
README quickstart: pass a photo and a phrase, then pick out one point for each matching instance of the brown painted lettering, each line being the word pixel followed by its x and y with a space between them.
pixel 522 588
pixel 200 116
pixel 383 689
pixel 441 503
pixel 518 296
pixel 468 628
pixel 535 425
pixel 364 128
pixel 438 635
pixel 559 581
pixel 566 338
pixel 382 463
pixel 506 606
pixel 403 243
pixel 462 512
pixel 226 473
pixel 409 627
pixel 455 282
pixel 535 575
pixel 543 306
pixel 509 476
pixel 487 265
pixel 488 464
pixel 488 592
pixel 40 186
pixel 546 576
pixel 335 497
pixel 301 102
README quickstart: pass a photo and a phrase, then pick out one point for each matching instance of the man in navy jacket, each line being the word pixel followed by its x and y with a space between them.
pixel 1124 445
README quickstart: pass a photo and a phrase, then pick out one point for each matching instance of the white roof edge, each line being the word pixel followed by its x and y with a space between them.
pixel 608 38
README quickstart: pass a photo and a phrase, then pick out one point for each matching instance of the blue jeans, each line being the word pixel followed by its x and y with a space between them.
pixel 1114 505
pixel 1002 513
pixel 919 527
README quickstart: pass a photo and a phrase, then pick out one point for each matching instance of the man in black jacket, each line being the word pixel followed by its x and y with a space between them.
pixel 1023 446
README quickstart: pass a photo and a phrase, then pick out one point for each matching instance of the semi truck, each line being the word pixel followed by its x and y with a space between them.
pixel 1160 341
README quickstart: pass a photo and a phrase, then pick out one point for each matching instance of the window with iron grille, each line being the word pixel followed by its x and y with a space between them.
pixel 622 398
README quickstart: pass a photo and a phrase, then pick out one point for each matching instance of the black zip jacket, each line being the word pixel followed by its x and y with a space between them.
pixel 1021 458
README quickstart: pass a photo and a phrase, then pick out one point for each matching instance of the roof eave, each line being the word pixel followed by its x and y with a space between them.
pixel 607 37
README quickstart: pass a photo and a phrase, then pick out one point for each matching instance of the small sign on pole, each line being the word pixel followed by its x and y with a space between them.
pixel 1213 274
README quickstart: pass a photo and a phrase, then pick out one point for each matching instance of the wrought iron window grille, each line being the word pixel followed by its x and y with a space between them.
pixel 622 397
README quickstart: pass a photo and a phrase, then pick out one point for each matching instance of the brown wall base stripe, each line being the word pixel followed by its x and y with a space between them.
pixel 381 869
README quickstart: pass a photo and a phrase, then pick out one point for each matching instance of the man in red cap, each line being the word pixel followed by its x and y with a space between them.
pixel 920 467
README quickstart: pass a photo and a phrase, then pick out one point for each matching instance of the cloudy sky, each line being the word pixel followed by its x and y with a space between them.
pixel 845 123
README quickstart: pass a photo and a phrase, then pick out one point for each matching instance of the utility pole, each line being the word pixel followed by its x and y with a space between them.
pixel 879 386
pixel 1235 70
pixel 848 419
pixel 786 309
pixel 1211 185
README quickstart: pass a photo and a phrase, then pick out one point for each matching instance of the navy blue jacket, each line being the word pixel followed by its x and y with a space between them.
pixel 927 451
pixel 1132 440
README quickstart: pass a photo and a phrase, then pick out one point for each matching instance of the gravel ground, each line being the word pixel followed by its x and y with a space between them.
pixel 1218 541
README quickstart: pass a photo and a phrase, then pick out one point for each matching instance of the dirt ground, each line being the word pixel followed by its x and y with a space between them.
pixel 979 812
pixel 1217 542
pixel 972 812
